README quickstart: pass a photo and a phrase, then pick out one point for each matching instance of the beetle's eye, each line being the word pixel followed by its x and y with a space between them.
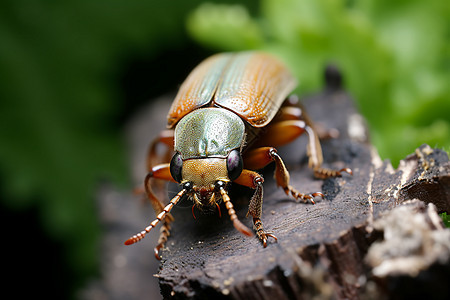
pixel 176 164
pixel 234 164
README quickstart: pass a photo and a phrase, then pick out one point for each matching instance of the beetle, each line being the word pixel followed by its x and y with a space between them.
pixel 226 121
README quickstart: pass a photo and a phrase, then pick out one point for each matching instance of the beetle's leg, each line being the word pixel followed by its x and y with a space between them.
pixel 254 180
pixel 232 213
pixel 284 132
pixel 260 157
pixel 161 216
pixel 281 133
pixel 297 113
pixel 314 152
pixel 165 137
pixel 159 172
pixel 153 158
pixel 289 113
pixel 162 172
pixel 292 109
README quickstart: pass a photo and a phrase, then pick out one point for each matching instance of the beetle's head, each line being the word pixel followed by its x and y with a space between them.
pixel 203 177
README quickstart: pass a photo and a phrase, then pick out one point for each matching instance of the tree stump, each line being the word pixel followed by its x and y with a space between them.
pixel 334 248
pixel 376 234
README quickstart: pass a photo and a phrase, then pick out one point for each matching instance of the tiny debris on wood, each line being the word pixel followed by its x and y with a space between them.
pixel 377 234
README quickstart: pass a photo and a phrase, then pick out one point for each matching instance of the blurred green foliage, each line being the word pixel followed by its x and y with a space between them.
pixel 395 56
pixel 446 219
pixel 61 100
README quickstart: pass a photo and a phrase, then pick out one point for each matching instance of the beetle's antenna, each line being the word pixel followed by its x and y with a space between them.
pixel 233 217
pixel 139 236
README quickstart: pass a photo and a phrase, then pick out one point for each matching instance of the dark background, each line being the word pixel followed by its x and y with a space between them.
pixel 73 73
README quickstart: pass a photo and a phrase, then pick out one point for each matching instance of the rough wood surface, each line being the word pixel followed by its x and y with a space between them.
pixel 321 248
pixel 368 239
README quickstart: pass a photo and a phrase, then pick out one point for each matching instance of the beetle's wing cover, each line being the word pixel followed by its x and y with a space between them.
pixel 254 85
pixel 199 87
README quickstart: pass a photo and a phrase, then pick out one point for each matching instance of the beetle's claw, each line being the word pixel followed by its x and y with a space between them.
pixel 264 238
pixel 309 197
pixel 156 251
pixel 305 197
pixel 346 170
pixel 270 235
pixel 262 235
pixel 324 173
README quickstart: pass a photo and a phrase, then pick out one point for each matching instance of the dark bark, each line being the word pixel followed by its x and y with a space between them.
pixel 322 248
pixel 367 239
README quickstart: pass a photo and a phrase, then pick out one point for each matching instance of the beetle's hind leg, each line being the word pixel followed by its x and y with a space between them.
pixel 314 152
pixel 291 124
pixel 293 109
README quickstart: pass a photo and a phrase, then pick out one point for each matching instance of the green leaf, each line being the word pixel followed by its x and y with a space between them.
pixel 395 57
pixel 60 101
pixel 224 27
pixel 446 219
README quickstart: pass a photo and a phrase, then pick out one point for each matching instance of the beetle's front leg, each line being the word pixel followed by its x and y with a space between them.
pixel 159 172
pixel 254 180
pixel 260 157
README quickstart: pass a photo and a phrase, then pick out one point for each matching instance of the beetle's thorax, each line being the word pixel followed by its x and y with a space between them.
pixel 204 173
pixel 208 132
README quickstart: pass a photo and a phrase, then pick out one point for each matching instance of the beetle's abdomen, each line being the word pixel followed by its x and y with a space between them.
pixel 209 132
